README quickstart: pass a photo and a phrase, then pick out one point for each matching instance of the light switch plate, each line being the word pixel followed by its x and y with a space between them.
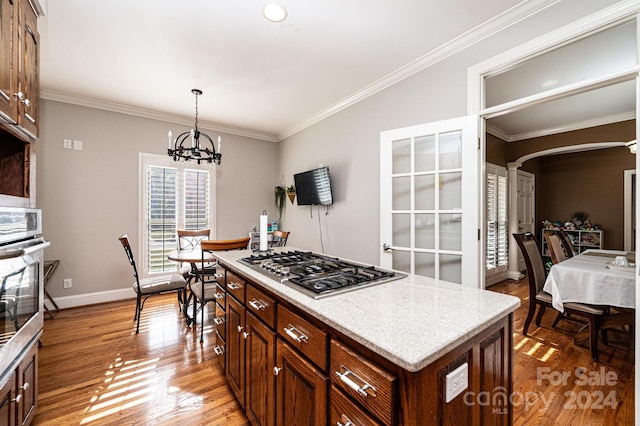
pixel 456 382
pixel 67 143
pixel 77 145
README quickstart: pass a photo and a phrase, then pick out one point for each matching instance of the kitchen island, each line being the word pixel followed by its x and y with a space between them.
pixel 377 355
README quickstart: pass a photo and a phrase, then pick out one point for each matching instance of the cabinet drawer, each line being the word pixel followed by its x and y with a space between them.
pixel 344 411
pixel 235 286
pixel 304 336
pixel 363 381
pixel 219 350
pixel 218 322
pixel 261 305
pixel 220 275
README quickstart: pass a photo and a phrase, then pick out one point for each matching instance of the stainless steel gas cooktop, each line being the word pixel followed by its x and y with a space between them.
pixel 317 275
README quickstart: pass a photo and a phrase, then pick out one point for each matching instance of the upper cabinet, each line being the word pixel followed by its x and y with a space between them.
pixel 19 68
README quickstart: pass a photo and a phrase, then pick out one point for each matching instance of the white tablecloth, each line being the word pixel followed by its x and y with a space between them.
pixel 585 278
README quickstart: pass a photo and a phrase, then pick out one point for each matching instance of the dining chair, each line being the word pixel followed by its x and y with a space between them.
pixel 147 287
pixel 536 275
pixel 204 288
pixel 190 240
pixel 279 238
pixel 569 248
pixel 556 247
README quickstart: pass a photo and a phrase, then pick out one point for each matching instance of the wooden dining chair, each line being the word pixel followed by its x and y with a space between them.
pixel 204 288
pixel 147 287
pixel 569 248
pixel 280 238
pixel 556 247
pixel 536 275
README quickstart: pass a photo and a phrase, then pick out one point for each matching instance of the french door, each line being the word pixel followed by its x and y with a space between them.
pixel 429 200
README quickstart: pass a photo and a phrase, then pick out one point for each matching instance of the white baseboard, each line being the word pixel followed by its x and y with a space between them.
pixel 92 298
pixel 495 278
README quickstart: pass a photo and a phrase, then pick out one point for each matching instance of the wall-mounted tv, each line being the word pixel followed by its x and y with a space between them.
pixel 313 187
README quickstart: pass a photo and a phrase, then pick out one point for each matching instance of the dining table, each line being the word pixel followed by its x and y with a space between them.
pixel 194 257
pixel 592 277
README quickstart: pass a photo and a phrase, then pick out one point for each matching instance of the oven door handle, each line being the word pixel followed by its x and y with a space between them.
pixel 37 247
pixel 12 254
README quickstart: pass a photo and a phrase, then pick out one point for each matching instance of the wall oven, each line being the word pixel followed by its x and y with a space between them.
pixel 21 282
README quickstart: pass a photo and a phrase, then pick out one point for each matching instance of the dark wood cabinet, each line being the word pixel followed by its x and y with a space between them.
pixel 301 389
pixel 9 59
pixel 28 74
pixel 235 345
pixel 19 70
pixel 260 363
pixel 285 366
pixel 19 394
pixel 8 408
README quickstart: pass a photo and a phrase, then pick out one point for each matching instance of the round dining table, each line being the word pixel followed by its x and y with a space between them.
pixel 193 257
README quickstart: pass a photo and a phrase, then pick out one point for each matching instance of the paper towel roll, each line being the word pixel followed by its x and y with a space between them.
pixel 264 237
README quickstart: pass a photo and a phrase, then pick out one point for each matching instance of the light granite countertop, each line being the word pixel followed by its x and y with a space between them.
pixel 411 321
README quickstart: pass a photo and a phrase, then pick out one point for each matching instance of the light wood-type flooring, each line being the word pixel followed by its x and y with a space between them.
pixel 94 370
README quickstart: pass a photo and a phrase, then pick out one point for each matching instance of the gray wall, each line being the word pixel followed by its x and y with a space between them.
pixel 348 142
pixel 90 197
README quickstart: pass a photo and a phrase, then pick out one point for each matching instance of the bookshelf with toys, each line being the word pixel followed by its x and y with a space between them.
pixel 583 234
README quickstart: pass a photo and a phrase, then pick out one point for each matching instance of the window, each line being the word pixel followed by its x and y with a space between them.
pixel 497 231
pixel 175 196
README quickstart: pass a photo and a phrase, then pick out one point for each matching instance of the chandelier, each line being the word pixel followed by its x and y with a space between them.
pixel 201 149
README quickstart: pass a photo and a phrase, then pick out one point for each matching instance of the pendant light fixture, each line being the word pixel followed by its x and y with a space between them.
pixel 195 145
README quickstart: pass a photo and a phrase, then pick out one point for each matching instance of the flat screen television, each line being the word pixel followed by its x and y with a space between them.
pixel 313 187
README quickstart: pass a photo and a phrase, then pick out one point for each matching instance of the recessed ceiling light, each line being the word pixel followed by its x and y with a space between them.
pixel 549 83
pixel 274 12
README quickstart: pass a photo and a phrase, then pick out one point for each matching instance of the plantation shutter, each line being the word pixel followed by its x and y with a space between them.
pixel 162 217
pixel 497 232
pixel 196 199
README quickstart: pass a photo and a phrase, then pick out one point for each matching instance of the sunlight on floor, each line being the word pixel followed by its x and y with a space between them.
pixel 130 383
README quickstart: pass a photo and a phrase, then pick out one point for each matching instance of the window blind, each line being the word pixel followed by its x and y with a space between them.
pixel 175 197
pixel 497 231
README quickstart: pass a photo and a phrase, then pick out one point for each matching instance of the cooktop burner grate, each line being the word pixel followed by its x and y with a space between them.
pixel 318 275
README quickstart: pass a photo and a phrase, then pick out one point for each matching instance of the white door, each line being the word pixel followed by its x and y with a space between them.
pixel 526 209
pixel 429 200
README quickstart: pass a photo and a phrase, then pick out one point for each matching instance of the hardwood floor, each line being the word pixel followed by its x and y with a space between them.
pixel 94 370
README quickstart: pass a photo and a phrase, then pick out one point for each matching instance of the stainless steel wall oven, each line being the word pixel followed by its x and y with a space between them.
pixel 21 282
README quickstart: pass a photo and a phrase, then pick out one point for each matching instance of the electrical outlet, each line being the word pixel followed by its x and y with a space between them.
pixel 77 145
pixel 67 283
pixel 68 144
pixel 456 382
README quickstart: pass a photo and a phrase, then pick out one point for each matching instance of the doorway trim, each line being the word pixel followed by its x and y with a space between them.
pixel 628 209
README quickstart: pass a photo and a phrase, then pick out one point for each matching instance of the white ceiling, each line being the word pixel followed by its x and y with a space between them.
pixel 255 75
pixel 259 77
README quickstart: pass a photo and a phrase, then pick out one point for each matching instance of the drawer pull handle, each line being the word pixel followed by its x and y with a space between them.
pixel 218 275
pixel 346 421
pixel 276 370
pixel 218 320
pixel 240 328
pixel 245 335
pixel 17 399
pixel 296 334
pixel 257 305
pixel 233 286
pixel 25 386
pixel 218 350
pixel 362 390
pixel 218 295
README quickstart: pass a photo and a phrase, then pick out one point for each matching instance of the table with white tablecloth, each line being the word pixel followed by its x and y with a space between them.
pixel 591 278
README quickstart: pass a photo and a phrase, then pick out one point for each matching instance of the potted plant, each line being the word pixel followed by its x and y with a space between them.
pixel 279 192
pixel 291 192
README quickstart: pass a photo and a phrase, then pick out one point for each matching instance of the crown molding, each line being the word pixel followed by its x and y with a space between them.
pixel 498 23
pixel 154 115
pixel 600 121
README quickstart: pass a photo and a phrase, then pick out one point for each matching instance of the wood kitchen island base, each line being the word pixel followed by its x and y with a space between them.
pixel 290 359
